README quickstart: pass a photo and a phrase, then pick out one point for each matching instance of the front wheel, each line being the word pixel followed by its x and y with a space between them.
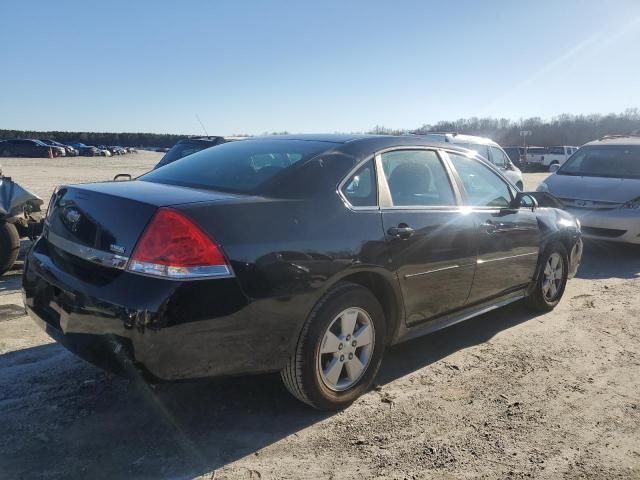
pixel 339 349
pixel 520 186
pixel 9 246
pixel 552 279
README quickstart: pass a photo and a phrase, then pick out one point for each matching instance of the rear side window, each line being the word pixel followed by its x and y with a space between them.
pixel 498 158
pixel 556 150
pixel 360 189
pixel 484 188
pixel 417 178
pixel 240 167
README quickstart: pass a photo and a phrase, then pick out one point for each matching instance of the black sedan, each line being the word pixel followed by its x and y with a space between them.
pixel 307 255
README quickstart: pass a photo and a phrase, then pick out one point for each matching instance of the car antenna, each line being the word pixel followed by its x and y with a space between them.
pixel 202 125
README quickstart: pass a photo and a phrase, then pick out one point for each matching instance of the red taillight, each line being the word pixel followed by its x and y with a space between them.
pixel 173 246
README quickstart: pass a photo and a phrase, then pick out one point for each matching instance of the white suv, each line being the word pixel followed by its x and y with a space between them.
pixel 545 157
pixel 486 148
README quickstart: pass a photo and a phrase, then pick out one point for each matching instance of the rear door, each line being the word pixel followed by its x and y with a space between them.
pixel 430 236
pixel 507 239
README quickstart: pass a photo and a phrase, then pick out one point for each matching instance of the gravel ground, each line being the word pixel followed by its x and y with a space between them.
pixel 505 395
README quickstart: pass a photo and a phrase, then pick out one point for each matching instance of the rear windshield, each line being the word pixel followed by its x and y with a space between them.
pixel 615 161
pixel 182 149
pixel 238 167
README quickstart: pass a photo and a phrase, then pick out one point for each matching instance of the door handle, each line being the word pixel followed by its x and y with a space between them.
pixel 493 228
pixel 489 227
pixel 402 231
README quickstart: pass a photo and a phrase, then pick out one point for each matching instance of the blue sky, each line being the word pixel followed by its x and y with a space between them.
pixel 317 66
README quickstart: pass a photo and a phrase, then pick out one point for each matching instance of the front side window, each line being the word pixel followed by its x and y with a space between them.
pixel 498 158
pixel 484 188
pixel 360 189
pixel 417 178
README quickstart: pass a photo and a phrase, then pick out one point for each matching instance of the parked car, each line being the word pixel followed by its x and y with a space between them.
pixel 488 149
pixel 516 155
pixel 69 150
pixel 20 217
pixel 104 151
pixel 188 146
pixel 600 185
pixel 24 147
pixel 549 156
pixel 307 255
pixel 533 157
pixel 85 150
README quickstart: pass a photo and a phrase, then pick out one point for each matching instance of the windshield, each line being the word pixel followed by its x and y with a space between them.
pixel 604 161
pixel 482 150
pixel 239 167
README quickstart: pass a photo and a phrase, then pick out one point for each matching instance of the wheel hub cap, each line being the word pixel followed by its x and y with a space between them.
pixel 346 349
pixel 553 276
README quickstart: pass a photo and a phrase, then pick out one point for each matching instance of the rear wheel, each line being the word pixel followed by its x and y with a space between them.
pixel 552 279
pixel 9 246
pixel 552 164
pixel 520 186
pixel 339 349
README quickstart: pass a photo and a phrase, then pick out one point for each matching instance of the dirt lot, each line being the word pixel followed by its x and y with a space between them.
pixel 506 395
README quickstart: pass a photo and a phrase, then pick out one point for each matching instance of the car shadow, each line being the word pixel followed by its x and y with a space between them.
pixel 60 414
pixel 602 260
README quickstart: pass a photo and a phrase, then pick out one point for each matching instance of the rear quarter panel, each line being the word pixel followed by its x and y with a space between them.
pixel 287 253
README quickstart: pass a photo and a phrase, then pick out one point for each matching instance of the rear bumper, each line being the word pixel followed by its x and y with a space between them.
pixel 127 323
pixel 612 225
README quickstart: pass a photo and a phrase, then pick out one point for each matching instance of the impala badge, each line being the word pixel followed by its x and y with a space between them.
pixel 116 249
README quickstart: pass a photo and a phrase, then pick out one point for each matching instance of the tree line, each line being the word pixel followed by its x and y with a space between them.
pixel 100 138
pixel 564 129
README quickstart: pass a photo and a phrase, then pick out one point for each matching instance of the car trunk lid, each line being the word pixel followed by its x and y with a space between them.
pixel 102 222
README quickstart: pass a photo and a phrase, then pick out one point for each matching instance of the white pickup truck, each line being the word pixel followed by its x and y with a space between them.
pixel 547 156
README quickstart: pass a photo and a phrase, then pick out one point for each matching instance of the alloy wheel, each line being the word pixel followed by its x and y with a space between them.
pixel 553 277
pixel 346 349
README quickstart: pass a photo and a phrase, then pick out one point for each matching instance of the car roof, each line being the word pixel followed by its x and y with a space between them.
pixel 452 137
pixel 633 139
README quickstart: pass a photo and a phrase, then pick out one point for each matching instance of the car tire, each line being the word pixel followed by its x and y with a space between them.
pixel 552 279
pixel 552 164
pixel 9 246
pixel 520 186
pixel 310 373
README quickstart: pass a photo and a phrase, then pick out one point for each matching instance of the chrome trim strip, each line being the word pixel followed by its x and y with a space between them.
pixel 451 267
pixel 90 254
pixel 480 260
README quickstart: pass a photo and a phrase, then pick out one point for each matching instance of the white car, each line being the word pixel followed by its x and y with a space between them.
pixel 486 148
pixel 600 185
pixel 547 156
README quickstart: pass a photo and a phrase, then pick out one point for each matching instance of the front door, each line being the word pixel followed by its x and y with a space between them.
pixel 507 238
pixel 430 236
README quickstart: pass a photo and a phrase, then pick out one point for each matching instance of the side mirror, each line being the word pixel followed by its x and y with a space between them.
pixel 124 176
pixel 554 168
pixel 525 200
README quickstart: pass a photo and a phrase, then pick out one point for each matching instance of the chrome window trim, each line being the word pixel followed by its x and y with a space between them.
pixel 384 195
pixel 349 174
